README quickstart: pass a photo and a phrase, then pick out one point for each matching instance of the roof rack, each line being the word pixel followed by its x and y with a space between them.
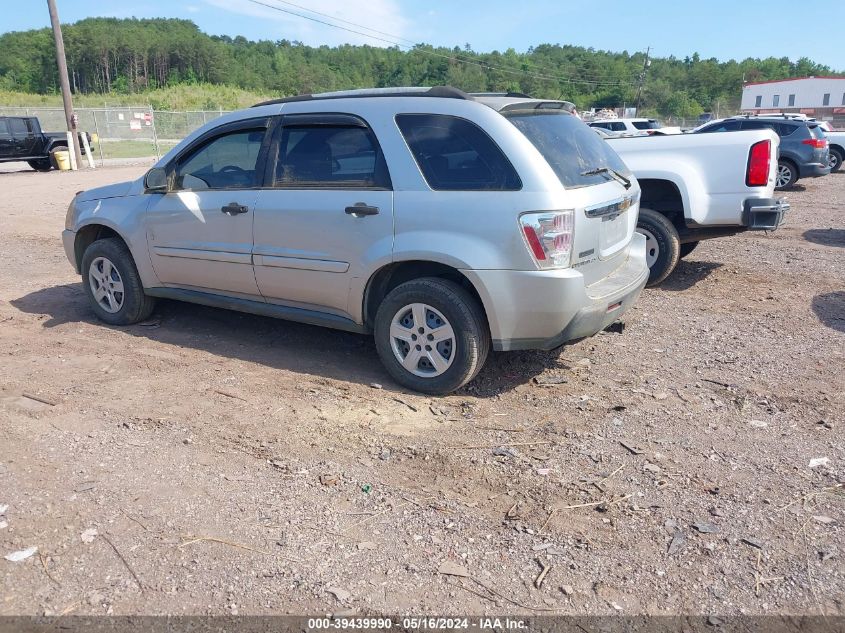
pixel 512 95
pixel 772 115
pixel 444 92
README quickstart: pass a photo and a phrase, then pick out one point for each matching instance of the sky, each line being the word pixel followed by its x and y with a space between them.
pixel 716 28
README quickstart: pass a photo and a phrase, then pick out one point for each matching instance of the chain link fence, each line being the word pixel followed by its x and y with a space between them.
pixel 123 132
pixel 127 132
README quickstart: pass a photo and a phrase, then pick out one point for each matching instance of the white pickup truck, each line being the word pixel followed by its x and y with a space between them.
pixel 701 186
pixel 837 149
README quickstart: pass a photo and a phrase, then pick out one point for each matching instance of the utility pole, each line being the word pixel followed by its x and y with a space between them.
pixel 646 64
pixel 70 117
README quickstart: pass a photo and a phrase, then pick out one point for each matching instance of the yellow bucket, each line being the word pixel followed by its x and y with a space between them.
pixel 62 159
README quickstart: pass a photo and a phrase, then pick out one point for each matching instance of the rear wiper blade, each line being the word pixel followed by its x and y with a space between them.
pixel 608 171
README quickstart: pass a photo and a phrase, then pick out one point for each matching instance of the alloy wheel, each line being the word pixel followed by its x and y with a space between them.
pixel 422 339
pixel 784 175
pixel 106 285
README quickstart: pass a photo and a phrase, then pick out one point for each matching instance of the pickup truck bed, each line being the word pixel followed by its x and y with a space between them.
pixel 695 187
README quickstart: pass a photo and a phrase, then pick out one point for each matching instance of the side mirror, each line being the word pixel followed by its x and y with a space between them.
pixel 156 180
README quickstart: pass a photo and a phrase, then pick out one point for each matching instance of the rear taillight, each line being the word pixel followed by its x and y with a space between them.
pixel 759 161
pixel 818 143
pixel 548 236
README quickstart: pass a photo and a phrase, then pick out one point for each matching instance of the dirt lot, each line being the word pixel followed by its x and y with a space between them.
pixel 215 463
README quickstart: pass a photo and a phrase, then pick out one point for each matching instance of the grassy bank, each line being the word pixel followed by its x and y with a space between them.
pixel 182 97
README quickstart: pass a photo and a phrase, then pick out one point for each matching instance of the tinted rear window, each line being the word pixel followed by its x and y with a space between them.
pixel 570 147
pixel 647 125
pixel 454 154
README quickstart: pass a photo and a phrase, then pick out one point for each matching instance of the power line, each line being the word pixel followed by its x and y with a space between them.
pixel 390 35
pixel 336 19
pixel 484 65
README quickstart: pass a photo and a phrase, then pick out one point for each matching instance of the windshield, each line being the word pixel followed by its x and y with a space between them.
pixel 570 147
pixel 651 124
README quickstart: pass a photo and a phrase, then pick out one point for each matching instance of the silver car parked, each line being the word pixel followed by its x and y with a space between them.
pixel 443 223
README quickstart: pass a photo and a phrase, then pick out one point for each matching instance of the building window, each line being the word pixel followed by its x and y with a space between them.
pixel 758 101
pixel 775 101
pixel 826 99
pixel 843 98
pixel 791 100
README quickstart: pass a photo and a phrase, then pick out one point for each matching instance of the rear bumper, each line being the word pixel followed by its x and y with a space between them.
pixel 545 309
pixel 764 214
pixel 813 170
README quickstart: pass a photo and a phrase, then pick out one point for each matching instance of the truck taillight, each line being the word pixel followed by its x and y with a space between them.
pixel 549 236
pixel 759 160
pixel 818 143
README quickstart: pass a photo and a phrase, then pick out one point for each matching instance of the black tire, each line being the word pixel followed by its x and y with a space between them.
pixel 666 244
pixel 687 248
pixel 790 178
pixel 463 313
pixel 41 164
pixel 58 148
pixel 136 305
pixel 836 158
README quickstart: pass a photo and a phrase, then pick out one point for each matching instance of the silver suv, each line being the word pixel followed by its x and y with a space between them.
pixel 443 223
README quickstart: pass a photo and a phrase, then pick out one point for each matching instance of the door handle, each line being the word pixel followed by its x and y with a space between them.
pixel 233 208
pixel 360 209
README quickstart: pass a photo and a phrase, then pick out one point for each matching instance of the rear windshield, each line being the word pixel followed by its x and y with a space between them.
pixel 651 124
pixel 817 131
pixel 570 147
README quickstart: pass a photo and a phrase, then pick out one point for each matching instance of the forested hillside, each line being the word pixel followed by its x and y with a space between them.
pixel 109 56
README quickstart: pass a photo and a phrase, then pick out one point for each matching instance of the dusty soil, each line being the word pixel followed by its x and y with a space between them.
pixel 210 462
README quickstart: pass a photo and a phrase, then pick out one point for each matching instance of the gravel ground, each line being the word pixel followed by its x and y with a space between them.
pixel 210 462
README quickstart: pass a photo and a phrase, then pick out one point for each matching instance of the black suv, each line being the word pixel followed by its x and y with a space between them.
pixel 803 145
pixel 21 138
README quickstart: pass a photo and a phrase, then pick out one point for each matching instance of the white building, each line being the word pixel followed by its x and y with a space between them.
pixel 820 97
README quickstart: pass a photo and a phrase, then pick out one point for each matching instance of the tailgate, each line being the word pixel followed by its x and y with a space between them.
pixel 605 220
pixel 708 170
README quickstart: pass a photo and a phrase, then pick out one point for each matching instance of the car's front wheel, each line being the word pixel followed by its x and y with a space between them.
pixel 113 285
pixel 432 335
pixel 787 175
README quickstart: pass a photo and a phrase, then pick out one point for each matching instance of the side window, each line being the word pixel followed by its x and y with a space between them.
pixel 762 125
pixel 18 127
pixel 723 126
pixel 225 162
pixel 785 129
pixel 331 156
pixel 4 129
pixel 456 155
pixel 618 126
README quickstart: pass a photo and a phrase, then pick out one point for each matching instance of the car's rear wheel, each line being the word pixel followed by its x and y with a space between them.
pixel 662 245
pixel 113 285
pixel 787 174
pixel 41 164
pixel 431 335
pixel 687 248
pixel 836 157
